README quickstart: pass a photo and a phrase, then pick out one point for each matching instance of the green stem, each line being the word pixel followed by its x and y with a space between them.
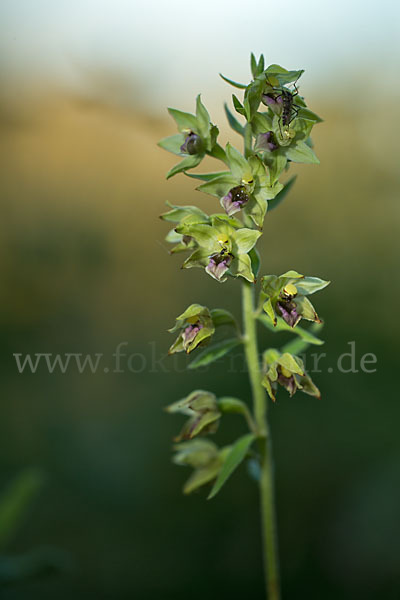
pixel 268 518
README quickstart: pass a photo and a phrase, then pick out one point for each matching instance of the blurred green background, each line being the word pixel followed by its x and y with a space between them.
pixel 84 268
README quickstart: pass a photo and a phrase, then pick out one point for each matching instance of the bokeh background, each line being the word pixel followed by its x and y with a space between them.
pixel 84 267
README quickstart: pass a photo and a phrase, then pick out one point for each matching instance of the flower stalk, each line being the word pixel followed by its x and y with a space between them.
pixel 223 245
pixel 266 481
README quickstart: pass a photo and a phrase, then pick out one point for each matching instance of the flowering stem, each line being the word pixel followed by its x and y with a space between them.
pixel 268 518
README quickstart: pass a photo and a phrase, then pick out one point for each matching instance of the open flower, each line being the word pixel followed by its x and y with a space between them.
pixel 202 408
pixel 287 371
pixel 221 248
pixel 245 187
pixel 195 326
pixel 197 137
pixel 286 296
pixel 183 214
pixel 204 457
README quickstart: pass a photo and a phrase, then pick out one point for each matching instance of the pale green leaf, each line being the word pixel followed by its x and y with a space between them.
pixel 240 86
pixel 300 152
pixel 213 353
pixel 233 460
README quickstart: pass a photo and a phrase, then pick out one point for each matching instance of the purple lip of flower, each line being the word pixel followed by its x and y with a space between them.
pixel 218 265
pixel 190 332
pixel 266 141
pixel 288 310
pixel 275 103
pixel 193 144
pixel 288 383
pixel 235 199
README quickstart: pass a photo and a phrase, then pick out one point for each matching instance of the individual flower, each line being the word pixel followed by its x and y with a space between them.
pixel 202 409
pixel 219 264
pixel 221 248
pixel 287 371
pixel 183 214
pixel 245 187
pixel 197 137
pixel 195 326
pixel 204 457
pixel 286 297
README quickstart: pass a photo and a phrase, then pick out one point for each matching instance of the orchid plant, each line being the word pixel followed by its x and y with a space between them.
pixel 275 124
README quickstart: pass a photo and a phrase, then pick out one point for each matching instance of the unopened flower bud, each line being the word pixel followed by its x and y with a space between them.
pixel 193 144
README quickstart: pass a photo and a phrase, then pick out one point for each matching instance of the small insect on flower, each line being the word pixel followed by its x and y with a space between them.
pixel 283 103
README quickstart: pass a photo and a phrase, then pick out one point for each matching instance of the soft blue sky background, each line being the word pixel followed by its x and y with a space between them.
pixel 176 47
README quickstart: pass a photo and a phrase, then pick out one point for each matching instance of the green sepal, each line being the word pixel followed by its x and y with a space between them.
pixel 198 258
pixel 282 75
pixel 189 162
pixel 277 162
pixel 239 166
pixel 219 153
pixel 252 97
pixel 205 235
pixel 185 121
pixel 256 67
pixel 230 220
pixel 178 213
pixel 306 309
pixel 241 267
pixel 203 119
pixel 218 186
pixel 207 176
pixel 267 307
pixel 261 123
pixel 310 285
pixel 243 240
pixel 172 143
pixel 289 362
